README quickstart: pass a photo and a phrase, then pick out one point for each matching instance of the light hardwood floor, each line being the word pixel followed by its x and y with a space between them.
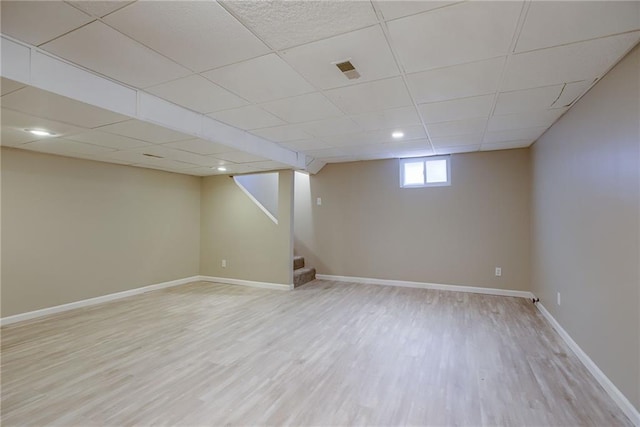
pixel 324 354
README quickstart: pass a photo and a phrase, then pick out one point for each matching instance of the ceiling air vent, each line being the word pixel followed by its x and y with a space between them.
pixel 348 70
pixel 152 155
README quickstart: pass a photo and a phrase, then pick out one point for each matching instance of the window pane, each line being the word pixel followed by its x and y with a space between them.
pixel 436 171
pixel 413 173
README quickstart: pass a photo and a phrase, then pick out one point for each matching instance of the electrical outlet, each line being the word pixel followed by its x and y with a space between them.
pixel 559 299
pixel 224 263
pixel 319 201
pixel 498 271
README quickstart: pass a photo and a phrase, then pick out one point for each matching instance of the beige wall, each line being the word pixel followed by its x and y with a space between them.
pixel 367 226
pixel 75 229
pixel 233 228
pixel 586 224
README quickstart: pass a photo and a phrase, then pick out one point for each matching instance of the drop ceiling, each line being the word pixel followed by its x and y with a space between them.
pixel 453 76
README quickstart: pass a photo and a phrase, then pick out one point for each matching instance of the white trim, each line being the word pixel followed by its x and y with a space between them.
pixel 620 399
pixel 229 281
pixel 255 201
pixel 93 301
pixel 422 285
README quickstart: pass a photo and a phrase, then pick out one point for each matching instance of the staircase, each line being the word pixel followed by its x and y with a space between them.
pixel 302 274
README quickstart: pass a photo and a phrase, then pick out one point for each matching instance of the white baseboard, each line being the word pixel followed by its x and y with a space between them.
pixel 627 407
pixel 250 283
pixel 93 301
pixel 422 285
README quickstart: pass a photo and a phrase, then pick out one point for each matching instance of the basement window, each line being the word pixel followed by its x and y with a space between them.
pixel 425 172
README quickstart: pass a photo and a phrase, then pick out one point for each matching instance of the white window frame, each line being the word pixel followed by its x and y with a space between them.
pixel 425 160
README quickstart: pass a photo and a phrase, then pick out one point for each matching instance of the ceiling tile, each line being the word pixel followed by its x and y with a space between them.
pixel 570 63
pixel 331 127
pixel 268 165
pixel 506 145
pixel 168 153
pixel 145 131
pixel 366 49
pixel 398 8
pixel 197 93
pixel 457 150
pixel 458 34
pixel 371 96
pixel 306 144
pixel 530 134
pixel 198 146
pixel 250 117
pixel 99 8
pixel 303 108
pixel 388 119
pixel 460 81
pixel 8 85
pixel 530 119
pixel 552 23
pixel 197 34
pixel 138 158
pixel 457 109
pixel 48 105
pixel 457 127
pixel 239 157
pixel 283 133
pixel 376 137
pixel 15 123
pixel 290 23
pixel 104 50
pixel 64 147
pixel 36 22
pixel 108 140
pixel 519 101
pixel 457 141
pixel 261 79
pixel 234 169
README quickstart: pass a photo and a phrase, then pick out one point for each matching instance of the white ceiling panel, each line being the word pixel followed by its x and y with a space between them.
pixel 306 144
pixel 457 141
pixel 530 134
pixel 458 34
pixel 8 85
pixel 376 137
pixel 457 150
pixel 148 132
pixel 457 127
pixel 268 165
pixel 198 94
pixel 303 108
pixel 48 105
pixel 367 49
pixel 371 96
pixel 283 133
pixel 138 158
pixel 99 8
pixel 108 140
pixel 291 23
pixel 105 50
pixel 552 23
pixel 460 81
pixel 570 63
pixel 261 79
pixel 231 169
pixel 388 119
pixel 64 147
pixel 457 109
pixel 197 34
pixel 198 146
pixel 398 8
pixel 505 145
pixel 331 127
pixel 518 101
pixel 249 117
pixel 239 157
pixel 36 22
pixel 167 153
pixel 571 92
pixel 15 123
pixel 530 119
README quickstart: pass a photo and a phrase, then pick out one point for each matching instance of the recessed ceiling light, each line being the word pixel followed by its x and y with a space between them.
pixel 40 132
pixel 222 169
pixel 397 134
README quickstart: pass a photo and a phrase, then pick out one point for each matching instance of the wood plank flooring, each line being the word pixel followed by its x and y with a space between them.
pixel 326 353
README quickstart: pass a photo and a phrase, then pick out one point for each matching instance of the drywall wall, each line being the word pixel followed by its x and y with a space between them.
pixel 235 229
pixel 367 226
pixel 586 224
pixel 76 229
pixel 263 187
